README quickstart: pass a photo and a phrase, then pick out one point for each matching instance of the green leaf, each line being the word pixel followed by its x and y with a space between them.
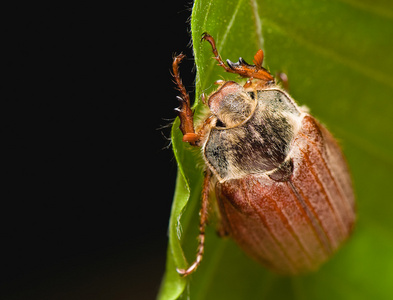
pixel 338 57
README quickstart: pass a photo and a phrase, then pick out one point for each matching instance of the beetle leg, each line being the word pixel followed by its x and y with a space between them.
pixel 185 113
pixel 207 37
pixel 202 224
pixel 248 82
pixel 241 67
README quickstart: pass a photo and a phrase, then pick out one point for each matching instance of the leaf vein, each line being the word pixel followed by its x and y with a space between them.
pixel 228 28
pixel 365 70
pixel 257 23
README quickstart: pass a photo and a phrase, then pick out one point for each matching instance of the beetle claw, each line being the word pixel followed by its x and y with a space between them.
pixel 191 269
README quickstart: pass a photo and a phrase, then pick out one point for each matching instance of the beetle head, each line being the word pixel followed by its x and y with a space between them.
pixel 231 104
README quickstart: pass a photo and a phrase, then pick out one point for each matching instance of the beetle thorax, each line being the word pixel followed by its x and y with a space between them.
pixel 255 133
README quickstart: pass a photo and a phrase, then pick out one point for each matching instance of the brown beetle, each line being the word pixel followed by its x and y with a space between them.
pixel 281 182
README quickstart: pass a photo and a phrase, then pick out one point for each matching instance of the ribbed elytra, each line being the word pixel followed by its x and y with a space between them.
pixel 281 182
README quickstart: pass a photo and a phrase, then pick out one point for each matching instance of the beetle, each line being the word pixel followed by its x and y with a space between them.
pixel 281 182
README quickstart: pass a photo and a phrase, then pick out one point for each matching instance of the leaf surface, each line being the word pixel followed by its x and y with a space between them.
pixel 338 57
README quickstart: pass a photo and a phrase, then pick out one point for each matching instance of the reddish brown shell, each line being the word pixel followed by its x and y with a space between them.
pixel 294 226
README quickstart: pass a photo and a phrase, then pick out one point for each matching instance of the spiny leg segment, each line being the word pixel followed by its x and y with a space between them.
pixel 186 115
pixel 202 224
pixel 241 67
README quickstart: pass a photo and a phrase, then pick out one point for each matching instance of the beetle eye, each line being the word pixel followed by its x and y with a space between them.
pixel 219 123
pixel 252 95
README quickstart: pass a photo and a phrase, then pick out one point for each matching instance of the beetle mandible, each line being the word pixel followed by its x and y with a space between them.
pixel 282 184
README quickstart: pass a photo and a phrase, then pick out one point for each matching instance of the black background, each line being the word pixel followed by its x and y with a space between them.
pixel 89 172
